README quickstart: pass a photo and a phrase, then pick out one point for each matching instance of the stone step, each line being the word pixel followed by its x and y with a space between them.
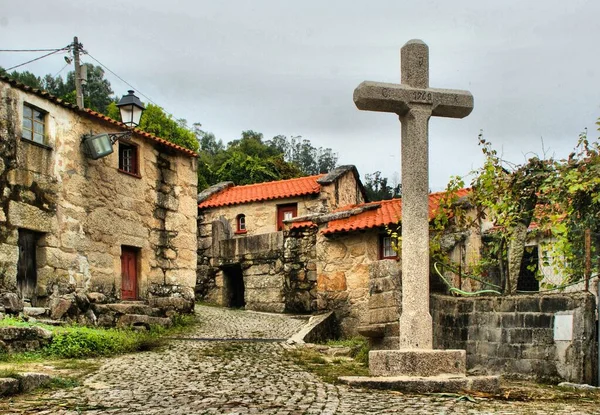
pixel 142 320
pixel 138 307
pixel 36 311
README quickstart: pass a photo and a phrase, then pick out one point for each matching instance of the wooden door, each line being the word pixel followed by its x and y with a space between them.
pixel 129 273
pixel 286 212
pixel 27 264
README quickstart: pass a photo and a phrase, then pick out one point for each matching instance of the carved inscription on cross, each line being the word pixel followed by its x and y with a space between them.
pixel 415 103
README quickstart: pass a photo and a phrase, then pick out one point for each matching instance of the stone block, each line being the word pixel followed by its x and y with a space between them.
pixel 528 304
pixel 380 300
pixel 11 302
pixel 333 281
pixel 414 362
pixel 264 282
pixel 9 386
pixel 269 295
pixel 133 320
pixel 384 315
pixel 446 384
pixel 23 215
pixel 30 381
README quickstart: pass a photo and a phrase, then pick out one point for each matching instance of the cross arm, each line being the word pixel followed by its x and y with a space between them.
pixel 398 98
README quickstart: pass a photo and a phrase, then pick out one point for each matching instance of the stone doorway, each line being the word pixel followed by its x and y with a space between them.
pixel 27 265
pixel 233 286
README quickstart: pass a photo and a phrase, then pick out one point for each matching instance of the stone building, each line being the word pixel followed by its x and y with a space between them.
pixel 301 245
pixel 121 227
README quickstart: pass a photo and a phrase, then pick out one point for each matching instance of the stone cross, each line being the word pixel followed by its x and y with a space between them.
pixel 415 103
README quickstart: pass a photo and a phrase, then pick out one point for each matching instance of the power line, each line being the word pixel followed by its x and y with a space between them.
pixel 138 91
pixel 63 68
pixel 36 59
pixel 30 50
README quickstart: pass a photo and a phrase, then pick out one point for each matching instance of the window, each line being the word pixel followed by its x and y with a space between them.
pixel 34 124
pixel 387 248
pixel 241 223
pixel 128 158
pixel 286 212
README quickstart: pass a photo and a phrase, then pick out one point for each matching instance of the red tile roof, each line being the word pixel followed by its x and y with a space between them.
pixel 280 189
pixel 388 213
pixel 95 115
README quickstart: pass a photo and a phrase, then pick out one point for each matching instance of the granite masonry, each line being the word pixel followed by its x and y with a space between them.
pixel 75 231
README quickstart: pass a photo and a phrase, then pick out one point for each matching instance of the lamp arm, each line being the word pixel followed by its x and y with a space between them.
pixel 114 137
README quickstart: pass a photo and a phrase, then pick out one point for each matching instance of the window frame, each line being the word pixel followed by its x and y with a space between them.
pixel 126 145
pixel 382 247
pixel 34 120
pixel 240 223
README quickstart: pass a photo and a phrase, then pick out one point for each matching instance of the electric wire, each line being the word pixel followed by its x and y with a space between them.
pixel 63 68
pixel 112 72
pixel 30 50
pixel 36 59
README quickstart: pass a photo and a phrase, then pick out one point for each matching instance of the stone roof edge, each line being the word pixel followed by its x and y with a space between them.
pixel 93 114
pixel 320 218
pixel 338 172
pixel 216 188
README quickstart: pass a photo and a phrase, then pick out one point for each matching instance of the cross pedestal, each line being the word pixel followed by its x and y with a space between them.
pixel 414 102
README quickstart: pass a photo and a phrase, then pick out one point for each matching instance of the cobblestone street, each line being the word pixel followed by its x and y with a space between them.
pixel 192 376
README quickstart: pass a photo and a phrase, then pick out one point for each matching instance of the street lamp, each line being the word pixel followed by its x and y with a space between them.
pixel 131 109
pixel 101 145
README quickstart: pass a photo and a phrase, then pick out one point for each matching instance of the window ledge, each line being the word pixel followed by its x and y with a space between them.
pixel 137 176
pixel 35 143
pixel 240 232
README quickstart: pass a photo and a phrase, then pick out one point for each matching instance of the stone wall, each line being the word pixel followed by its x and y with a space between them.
pixel 341 188
pixel 343 275
pixel 86 210
pixel 384 305
pixel 261 217
pixel 521 336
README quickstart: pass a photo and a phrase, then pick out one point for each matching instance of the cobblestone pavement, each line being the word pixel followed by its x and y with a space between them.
pixel 229 377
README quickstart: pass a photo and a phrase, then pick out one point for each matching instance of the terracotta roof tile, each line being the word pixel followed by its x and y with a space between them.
pixel 94 114
pixel 280 189
pixel 303 224
pixel 388 213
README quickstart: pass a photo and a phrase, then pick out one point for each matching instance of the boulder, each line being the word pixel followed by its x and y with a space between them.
pixel 62 306
pixel 11 302
pixel 34 311
pixel 30 381
pixel 82 301
pixel 178 304
pixel 97 298
pixel 8 386
pixel 24 339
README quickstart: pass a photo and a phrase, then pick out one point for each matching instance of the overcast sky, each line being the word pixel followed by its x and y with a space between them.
pixel 283 67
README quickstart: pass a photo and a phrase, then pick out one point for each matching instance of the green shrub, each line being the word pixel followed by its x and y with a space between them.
pixel 79 342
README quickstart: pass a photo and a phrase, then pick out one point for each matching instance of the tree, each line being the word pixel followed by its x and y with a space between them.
pixel 309 159
pixel 377 187
pixel 156 121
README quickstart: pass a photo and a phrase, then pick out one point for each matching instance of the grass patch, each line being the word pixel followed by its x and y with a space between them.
pixel 328 371
pixel 77 342
pixel 359 347
pixel 62 383
pixel 80 342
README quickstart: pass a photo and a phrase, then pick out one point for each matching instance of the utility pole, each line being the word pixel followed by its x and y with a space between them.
pixel 78 89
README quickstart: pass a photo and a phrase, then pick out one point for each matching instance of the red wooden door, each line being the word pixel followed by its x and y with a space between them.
pixel 286 212
pixel 128 274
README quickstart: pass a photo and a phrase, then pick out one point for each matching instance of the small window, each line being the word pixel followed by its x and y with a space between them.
pixel 34 124
pixel 241 223
pixel 128 158
pixel 387 250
